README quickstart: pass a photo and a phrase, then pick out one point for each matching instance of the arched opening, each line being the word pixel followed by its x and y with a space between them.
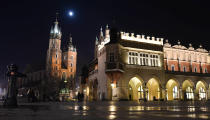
pixel 153 89
pixel 187 88
pixel 201 90
pixel 135 89
pixel 172 90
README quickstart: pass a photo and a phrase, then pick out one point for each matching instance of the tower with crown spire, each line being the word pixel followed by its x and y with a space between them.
pixel 61 64
pixel 54 52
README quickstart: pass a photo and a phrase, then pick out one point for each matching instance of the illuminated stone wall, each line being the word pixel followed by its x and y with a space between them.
pixel 122 74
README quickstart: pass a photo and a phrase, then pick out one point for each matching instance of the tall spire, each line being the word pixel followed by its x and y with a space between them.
pixel 101 32
pixel 107 32
pixel 107 27
pixel 70 44
pixel 70 39
pixel 96 43
pixel 55 31
pixel 56 18
pixel 56 28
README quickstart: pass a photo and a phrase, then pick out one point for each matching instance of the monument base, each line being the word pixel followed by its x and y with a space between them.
pixel 10 102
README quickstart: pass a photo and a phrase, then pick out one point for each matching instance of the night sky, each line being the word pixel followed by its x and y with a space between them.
pixel 25 25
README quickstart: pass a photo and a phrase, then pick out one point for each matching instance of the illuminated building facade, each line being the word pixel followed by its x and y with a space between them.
pixel 58 79
pixel 61 65
pixel 139 67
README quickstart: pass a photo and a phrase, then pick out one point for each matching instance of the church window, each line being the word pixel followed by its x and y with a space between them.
pixel 53 44
pixel 172 68
pixel 72 57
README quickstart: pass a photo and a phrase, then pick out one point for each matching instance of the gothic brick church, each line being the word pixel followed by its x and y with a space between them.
pixel 57 80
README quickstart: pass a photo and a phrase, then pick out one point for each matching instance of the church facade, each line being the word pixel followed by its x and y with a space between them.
pixel 57 80
pixel 139 67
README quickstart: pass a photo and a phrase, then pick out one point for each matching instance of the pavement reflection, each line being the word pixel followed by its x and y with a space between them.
pixel 101 110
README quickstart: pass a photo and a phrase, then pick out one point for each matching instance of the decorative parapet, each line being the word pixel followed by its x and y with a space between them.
pixel 168 45
pixel 201 49
pixel 141 38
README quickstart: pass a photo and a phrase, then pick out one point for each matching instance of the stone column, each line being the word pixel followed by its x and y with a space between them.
pixel 163 93
pixel 208 94
pixel 180 93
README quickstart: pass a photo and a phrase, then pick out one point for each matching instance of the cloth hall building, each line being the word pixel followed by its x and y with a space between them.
pixel 139 67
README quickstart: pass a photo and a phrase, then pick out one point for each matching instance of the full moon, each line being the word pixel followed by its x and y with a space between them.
pixel 71 13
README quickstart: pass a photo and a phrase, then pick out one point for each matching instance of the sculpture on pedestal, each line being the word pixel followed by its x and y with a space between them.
pixel 12 75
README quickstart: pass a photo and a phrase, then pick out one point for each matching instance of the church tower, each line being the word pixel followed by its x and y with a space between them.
pixel 54 53
pixel 70 61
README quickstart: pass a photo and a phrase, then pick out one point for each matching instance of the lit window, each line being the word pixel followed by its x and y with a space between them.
pixel 172 68
pixel 202 93
pixel 133 58
pixel 143 59
pixel 189 93
pixel 175 92
pixel 140 92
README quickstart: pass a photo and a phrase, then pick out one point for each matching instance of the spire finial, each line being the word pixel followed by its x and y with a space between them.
pixel 96 40
pixel 107 27
pixel 56 17
pixel 70 38
pixel 179 42
pixel 101 32
pixel 200 46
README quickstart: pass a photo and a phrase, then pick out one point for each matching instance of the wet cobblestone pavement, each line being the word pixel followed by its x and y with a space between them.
pixel 108 110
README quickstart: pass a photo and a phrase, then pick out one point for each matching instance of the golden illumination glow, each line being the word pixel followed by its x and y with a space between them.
pixel 153 89
pixel 135 84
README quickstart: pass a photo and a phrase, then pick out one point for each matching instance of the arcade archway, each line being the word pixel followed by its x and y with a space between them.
pixel 187 90
pixel 172 87
pixel 153 89
pixel 201 90
pixel 136 89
